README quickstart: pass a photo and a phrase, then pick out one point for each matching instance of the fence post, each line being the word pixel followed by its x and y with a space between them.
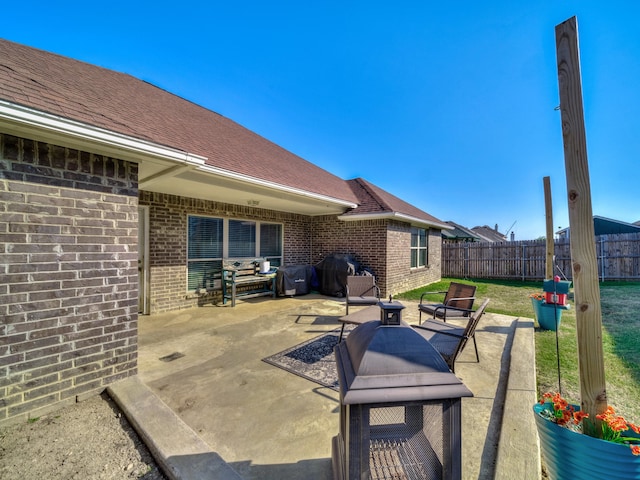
pixel 601 249
pixel 548 213
pixel 465 261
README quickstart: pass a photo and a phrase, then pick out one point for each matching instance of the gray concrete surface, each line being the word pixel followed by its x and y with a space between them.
pixel 221 409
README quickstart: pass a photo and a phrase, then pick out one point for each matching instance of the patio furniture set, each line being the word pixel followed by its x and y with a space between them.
pixel 447 338
pixel 400 400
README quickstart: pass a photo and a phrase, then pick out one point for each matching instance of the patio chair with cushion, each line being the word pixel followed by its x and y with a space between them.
pixel 362 290
pixel 458 302
pixel 448 339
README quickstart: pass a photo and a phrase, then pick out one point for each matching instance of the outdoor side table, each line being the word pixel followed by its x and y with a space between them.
pixel 364 315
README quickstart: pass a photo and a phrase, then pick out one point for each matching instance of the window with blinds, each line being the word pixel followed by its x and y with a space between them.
pixel 205 247
pixel 271 243
pixel 242 238
pixel 212 239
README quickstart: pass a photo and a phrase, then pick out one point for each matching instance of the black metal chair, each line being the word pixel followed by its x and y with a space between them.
pixel 362 290
pixel 449 340
pixel 458 302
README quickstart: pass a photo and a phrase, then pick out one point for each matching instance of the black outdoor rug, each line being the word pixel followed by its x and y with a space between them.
pixel 313 359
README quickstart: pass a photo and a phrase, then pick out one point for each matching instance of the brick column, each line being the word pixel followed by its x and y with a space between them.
pixel 68 262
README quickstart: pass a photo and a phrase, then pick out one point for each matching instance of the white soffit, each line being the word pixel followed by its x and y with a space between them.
pixel 226 189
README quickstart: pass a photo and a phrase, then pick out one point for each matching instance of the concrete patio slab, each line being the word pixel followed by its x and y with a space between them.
pixel 206 365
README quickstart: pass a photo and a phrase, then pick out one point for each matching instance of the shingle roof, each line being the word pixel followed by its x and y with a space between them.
pixel 374 200
pixel 124 104
pixel 460 233
pixel 489 234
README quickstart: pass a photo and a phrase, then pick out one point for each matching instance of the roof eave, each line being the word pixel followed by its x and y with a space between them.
pixel 395 216
pixel 28 122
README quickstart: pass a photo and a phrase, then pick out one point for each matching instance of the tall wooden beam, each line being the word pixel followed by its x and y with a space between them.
pixel 582 235
pixel 548 214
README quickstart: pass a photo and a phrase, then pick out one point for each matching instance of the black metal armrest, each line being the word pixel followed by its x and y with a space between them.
pixel 451 334
pixel 459 298
pixel 429 293
pixel 457 309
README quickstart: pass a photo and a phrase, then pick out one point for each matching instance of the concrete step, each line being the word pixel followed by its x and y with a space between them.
pixel 180 452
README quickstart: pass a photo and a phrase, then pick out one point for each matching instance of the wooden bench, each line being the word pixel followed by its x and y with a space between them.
pixel 241 277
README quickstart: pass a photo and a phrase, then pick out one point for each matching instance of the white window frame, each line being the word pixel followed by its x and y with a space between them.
pixel 415 250
pixel 276 260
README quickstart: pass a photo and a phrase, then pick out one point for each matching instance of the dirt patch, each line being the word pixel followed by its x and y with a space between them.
pixel 90 439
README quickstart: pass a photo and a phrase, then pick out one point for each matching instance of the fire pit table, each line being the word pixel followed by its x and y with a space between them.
pixel 400 405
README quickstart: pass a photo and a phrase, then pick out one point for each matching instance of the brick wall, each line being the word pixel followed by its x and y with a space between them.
pixel 68 263
pixel 365 240
pixel 382 245
pixel 168 242
pixel 402 277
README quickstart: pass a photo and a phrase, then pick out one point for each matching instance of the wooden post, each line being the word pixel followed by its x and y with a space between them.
pixel 548 213
pixel 582 237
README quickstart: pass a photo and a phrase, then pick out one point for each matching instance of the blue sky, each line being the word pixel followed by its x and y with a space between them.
pixel 447 105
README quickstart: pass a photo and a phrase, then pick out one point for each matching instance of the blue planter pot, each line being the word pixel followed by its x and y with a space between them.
pixel 570 455
pixel 548 315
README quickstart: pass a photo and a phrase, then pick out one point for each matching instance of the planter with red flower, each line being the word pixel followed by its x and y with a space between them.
pixel 571 454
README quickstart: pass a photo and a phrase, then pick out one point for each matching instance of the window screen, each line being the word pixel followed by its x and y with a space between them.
pixel 204 251
pixel 242 238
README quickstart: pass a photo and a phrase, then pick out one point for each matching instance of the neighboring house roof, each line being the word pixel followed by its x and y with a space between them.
pixel 459 233
pixel 374 202
pixel 488 234
pixel 606 226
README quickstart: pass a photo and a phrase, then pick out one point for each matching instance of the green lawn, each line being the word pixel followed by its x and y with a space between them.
pixel 621 337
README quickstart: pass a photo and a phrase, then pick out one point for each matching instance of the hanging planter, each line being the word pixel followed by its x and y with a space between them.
pixel 548 315
pixel 571 455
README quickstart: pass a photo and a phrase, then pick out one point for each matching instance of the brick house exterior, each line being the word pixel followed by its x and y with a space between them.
pixel 382 245
pixel 99 173
pixel 167 246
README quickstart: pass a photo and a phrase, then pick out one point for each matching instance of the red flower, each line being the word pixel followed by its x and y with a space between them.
pixel 579 416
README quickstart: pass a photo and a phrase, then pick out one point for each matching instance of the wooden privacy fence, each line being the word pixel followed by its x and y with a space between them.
pixel 618 259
